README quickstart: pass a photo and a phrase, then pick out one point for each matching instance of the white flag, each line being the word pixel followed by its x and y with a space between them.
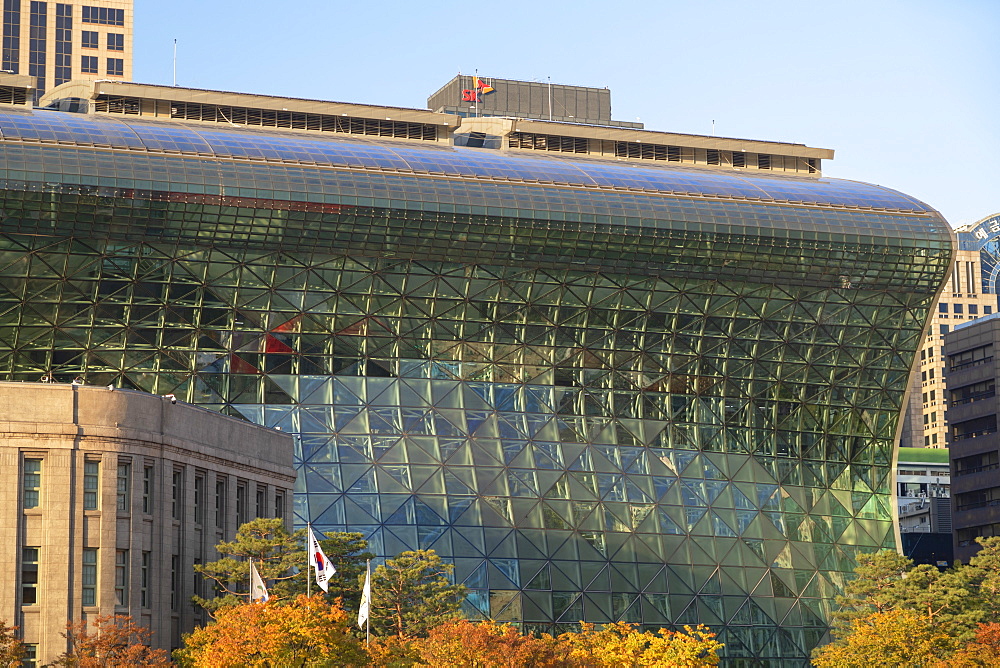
pixel 258 592
pixel 318 560
pixel 366 598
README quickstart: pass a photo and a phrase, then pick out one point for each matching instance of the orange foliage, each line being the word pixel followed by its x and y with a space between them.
pixel 983 652
pixel 114 641
pixel 464 644
pixel 307 632
pixel 11 649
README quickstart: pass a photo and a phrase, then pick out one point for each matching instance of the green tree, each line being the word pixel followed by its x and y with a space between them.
pixel 280 558
pixel 412 593
pixel 916 612
pixel 887 581
pixel 276 554
pixel 983 578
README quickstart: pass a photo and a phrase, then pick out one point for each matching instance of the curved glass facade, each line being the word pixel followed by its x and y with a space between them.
pixel 605 391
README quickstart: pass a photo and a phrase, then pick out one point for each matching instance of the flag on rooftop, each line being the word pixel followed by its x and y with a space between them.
pixel 482 86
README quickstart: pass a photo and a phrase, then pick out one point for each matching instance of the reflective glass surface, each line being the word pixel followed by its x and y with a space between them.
pixel 600 405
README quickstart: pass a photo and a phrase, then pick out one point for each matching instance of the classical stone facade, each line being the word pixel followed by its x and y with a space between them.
pixel 111 496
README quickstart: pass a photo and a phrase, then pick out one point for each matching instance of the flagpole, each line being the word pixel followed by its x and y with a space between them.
pixel 251 578
pixel 308 550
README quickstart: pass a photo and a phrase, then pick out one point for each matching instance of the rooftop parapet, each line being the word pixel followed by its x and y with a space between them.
pixel 643 145
pixel 58 409
pixel 15 89
pixel 243 110
pixel 250 110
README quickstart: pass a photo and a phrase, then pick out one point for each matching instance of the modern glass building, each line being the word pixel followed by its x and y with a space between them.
pixel 606 390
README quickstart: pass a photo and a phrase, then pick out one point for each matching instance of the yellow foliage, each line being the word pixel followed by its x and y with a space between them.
pixel 888 638
pixel 308 632
pixel 618 645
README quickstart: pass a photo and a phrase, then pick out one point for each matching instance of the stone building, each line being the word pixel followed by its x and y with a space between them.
pixel 110 497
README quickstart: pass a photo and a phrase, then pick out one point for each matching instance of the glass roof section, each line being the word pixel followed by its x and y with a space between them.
pixel 356 151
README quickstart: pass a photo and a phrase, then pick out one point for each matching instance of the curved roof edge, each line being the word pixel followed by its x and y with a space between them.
pixel 358 152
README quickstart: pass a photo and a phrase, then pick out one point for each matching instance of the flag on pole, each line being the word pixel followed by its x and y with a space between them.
pixel 258 592
pixel 482 86
pixel 318 560
pixel 366 598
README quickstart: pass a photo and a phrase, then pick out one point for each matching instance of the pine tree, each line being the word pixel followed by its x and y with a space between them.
pixel 280 558
pixel 412 593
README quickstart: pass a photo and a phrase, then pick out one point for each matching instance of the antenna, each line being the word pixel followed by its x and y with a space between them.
pixel 550 98
pixel 175 62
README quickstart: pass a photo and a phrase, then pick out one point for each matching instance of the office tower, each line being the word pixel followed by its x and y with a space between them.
pixel 972 419
pixel 56 42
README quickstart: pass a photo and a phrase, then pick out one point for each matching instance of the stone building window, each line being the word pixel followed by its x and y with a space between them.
pixel 32 482
pixel 147 489
pixel 121 577
pixel 91 484
pixel 176 490
pixel 144 580
pixel 124 487
pixel 89 595
pixel 29 575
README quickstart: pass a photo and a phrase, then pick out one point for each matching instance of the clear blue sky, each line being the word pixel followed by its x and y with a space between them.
pixel 907 92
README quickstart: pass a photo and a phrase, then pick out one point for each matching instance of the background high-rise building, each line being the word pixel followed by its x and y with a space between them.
pixel 962 299
pixel 973 411
pixel 56 42
pixel 468 95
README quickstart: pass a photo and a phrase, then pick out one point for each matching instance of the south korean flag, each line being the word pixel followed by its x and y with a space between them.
pixel 318 560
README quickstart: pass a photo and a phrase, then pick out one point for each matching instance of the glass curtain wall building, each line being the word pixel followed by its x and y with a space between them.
pixel 605 391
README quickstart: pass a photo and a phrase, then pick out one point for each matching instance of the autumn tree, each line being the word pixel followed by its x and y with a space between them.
pixel 887 581
pixel 12 650
pixel 888 637
pixel 113 641
pixel 465 644
pixel 621 645
pixel 393 652
pixel 280 558
pixel 412 593
pixel 308 631
pixel 912 609
pixel 981 652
